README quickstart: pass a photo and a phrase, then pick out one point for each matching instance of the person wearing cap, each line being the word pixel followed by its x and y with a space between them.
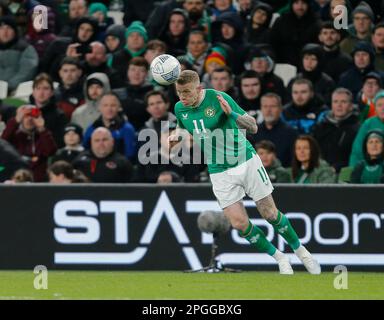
pixel 94 87
pixel 312 69
pixel 371 168
pixel 69 93
pixel 363 63
pixel 136 43
pixel 258 26
pixel 19 58
pixel 261 61
pixel 217 58
pixel 378 43
pixel 361 29
pixel 337 130
pixel 73 137
pixel 114 38
pixel 292 30
pixel 335 62
pixel 175 32
pixel 99 11
pixel 76 46
pixel 35 143
pixel 372 85
pixel 374 123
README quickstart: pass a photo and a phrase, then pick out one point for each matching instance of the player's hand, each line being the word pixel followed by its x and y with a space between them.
pixel 224 105
pixel 173 140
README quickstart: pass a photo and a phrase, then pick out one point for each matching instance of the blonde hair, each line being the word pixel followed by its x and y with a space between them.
pixel 188 76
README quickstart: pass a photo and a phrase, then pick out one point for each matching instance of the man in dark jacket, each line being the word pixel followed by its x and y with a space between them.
pixel 335 62
pixel 10 160
pixel 257 27
pixel 102 164
pixel 292 30
pixel 305 109
pixel 336 132
pixel 274 129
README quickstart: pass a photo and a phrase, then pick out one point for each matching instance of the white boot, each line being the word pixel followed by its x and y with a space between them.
pixel 308 260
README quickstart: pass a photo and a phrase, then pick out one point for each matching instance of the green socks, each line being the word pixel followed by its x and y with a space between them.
pixel 283 227
pixel 256 238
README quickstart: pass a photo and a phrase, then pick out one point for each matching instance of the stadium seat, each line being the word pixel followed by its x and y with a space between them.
pixel 24 90
pixel 3 89
pixel 285 71
pixel 274 18
pixel 345 175
pixel 117 16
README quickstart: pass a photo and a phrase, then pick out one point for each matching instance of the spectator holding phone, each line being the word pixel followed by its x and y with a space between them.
pixel 28 134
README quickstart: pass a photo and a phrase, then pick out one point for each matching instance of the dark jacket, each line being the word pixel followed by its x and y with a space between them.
pixel 305 117
pixel 35 147
pixel 289 34
pixel 335 63
pixel 262 34
pixel 66 154
pixel 122 132
pixel 69 99
pixel 335 138
pixel 277 174
pixel 282 135
pixel 10 160
pixel 114 168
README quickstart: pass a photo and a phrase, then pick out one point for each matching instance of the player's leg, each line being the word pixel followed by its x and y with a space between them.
pixel 239 220
pixel 282 226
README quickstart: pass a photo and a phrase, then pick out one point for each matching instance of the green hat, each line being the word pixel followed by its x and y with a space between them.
pixel 137 26
pixel 378 96
pixel 375 134
pixel 97 6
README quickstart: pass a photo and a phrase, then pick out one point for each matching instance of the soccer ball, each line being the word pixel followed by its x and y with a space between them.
pixel 165 69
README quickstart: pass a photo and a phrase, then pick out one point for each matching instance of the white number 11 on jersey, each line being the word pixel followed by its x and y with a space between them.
pixel 202 126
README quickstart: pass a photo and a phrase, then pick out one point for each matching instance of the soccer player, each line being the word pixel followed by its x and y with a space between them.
pixel 205 113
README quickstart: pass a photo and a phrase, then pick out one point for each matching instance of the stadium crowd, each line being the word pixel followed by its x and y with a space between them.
pixel 320 119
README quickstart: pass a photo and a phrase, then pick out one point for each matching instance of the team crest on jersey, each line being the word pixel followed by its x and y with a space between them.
pixel 209 112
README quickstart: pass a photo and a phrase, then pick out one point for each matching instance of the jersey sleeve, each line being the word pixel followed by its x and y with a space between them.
pixel 235 107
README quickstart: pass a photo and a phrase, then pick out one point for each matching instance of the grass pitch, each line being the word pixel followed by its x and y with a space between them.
pixel 178 285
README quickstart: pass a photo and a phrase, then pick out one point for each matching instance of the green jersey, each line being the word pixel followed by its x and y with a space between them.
pixel 222 142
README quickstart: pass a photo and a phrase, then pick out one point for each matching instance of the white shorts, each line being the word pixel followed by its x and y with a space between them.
pixel 249 178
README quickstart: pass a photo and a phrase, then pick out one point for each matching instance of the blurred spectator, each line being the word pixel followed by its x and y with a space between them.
pixel 267 153
pixel 307 166
pixel 166 177
pixel 250 93
pixel 21 176
pixel 371 86
pixel 69 94
pixel 218 7
pixel 99 11
pixel 261 61
pixel 76 10
pixel 136 40
pixel 335 62
pixel 217 58
pixel 96 61
pixel 371 169
pixel 133 92
pixel 10 160
pixel 122 131
pixel 312 69
pixel 229 29
pixel 197 50
pixel 73 137
pixel 305 109
pixel 292 30
pixel 363 19
pixel 245 8
pixel 6 113
pixel 337 130
pixel 154 49
pixel 40 39
pixel 95 86
pixel 43 98
pixel 175 32
pixel 62 172
pixel 19 60
pixel 102 163
pixel 274 129
pixel 4 9
pixel 321 8
pixel 374 123
pixel 198 16
pixel 138 10
pixel 32 140
pixel 77 46
pixel 363 63
pixel 378 43
pixel 157 106
pixel 114 38
pixel 258 30
pixel 222 80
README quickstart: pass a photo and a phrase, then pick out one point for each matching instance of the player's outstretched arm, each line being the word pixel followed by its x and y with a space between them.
pixel 244 121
